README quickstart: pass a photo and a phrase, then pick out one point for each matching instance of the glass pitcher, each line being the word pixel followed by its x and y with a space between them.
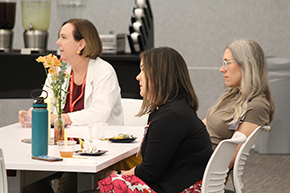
pixel 7 14
pixel 36 14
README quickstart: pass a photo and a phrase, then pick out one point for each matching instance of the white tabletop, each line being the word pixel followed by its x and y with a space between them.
pixel 17 154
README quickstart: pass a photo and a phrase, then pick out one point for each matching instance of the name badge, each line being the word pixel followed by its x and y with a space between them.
pixel 234 126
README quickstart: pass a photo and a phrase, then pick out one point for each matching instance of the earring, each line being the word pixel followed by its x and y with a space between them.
pixel 78 52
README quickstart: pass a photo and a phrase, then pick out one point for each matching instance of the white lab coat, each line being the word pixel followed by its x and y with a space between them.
pixel 102 95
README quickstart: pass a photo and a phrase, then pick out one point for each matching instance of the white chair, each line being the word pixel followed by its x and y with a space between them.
pixel 217 167
pixel 242 156
pixel 131 107
pixel 3 175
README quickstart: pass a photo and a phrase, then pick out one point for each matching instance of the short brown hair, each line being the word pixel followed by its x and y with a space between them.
pixel 167 78
pixel 84 29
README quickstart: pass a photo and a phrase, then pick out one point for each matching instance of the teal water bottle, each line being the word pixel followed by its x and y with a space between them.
pixel 39 122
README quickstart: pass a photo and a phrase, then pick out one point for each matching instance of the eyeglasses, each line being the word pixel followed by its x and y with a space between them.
pixel 225 63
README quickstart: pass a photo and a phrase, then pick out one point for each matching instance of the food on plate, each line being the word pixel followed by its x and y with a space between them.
pixel 89 147
pixel 125 135
pixel 81 143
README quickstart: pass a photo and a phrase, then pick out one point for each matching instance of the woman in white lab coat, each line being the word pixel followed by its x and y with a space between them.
pixel 94 85
pixel 94 92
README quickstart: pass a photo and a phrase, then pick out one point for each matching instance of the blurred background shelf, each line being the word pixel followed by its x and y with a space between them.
pixel 20 74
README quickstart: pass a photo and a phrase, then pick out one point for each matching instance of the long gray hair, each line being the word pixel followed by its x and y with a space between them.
pixel 251 59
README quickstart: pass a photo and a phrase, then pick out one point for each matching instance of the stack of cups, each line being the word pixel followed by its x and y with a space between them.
pixel 138 14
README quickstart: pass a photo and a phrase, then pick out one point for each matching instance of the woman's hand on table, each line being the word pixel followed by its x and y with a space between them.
pixel 21 116
pixel 65 116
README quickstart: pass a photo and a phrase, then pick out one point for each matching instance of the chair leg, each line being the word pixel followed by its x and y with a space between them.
pixel 233 182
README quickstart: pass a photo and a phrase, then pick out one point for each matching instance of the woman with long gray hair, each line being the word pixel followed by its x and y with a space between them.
pixel 247 101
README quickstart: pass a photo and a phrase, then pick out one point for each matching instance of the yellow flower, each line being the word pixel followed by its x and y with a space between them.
pixel 56 62
pixel 49 61
pixel 57 69
pixel 46 64
pixel 51 70
pixel 49 57
pixel 66 74
pixel 41 59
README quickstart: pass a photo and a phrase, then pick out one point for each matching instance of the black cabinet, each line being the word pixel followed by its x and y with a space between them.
pixel 20 74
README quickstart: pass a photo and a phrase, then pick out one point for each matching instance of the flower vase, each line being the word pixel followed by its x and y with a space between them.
pixel 58 129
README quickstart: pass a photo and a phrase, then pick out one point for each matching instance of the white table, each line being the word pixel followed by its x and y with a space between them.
pixel 17 154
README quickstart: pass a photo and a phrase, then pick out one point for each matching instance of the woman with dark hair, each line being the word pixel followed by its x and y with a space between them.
pixel 176 146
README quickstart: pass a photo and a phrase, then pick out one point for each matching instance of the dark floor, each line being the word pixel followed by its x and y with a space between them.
pixel 266 174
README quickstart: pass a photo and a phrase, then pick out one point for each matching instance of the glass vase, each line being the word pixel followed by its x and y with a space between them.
pixel 58 129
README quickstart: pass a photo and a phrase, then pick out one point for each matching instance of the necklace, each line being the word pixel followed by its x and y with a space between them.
pixel 72 103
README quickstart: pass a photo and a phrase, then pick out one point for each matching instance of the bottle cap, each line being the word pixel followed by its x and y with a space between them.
pixel 39 100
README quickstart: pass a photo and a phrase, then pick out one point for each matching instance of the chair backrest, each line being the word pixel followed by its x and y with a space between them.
pixel 130 108
pixel 3 175
pixel 242 156
pixel 217 167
